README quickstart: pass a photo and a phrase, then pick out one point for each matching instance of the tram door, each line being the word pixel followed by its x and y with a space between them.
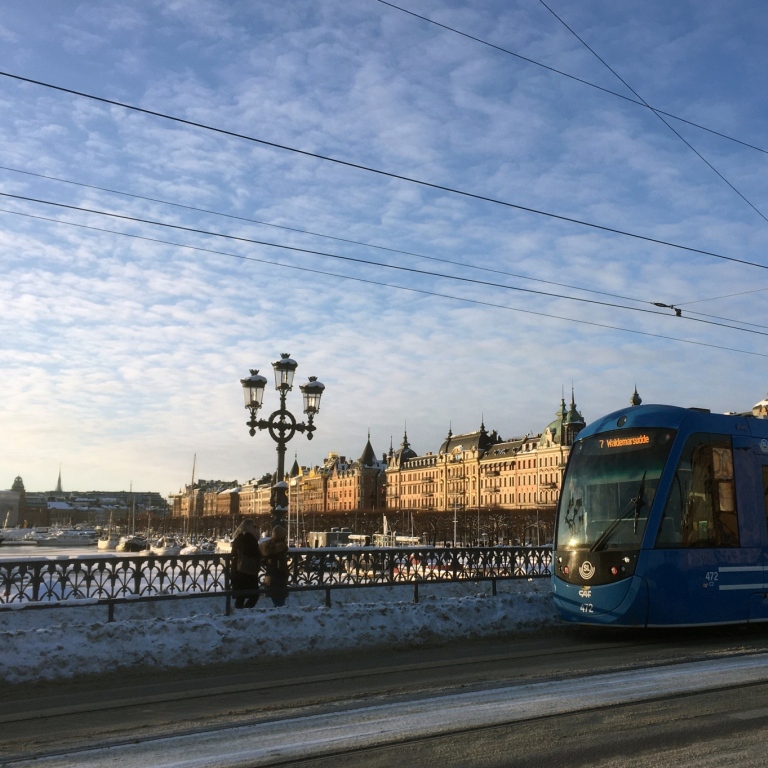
pixel 707 557
pixel 758 605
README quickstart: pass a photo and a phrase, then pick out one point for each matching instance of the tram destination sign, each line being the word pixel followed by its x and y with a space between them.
pixel 629 441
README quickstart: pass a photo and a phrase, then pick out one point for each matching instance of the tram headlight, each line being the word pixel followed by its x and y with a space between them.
pixel 614 571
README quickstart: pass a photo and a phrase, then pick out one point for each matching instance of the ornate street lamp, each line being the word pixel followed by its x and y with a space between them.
pixel 281 424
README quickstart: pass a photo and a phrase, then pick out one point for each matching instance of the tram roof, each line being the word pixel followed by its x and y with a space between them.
pixel 674 417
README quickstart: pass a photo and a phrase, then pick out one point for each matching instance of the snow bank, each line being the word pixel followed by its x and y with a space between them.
pixel 68 642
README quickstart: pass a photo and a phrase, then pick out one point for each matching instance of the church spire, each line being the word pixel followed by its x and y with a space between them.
pixel 58 483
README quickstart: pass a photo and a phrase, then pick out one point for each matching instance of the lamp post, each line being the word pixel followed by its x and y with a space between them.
pixel 282 424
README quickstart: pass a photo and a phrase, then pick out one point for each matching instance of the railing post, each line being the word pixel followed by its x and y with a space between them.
pixel 415 591
pixel 35 581
pixel 493 583
pixel 327 597
pixel 228 606
pixel 110 612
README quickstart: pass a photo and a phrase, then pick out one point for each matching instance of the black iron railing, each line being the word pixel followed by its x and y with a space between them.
pixel 114 579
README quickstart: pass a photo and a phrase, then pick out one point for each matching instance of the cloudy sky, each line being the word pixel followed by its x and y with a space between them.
pixel 445 219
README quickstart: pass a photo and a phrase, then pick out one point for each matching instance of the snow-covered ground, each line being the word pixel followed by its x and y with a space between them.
pixel 72 641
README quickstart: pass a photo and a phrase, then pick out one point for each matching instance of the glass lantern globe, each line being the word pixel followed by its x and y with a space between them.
pixel 285 368
pixel 312 391
pixel 253 389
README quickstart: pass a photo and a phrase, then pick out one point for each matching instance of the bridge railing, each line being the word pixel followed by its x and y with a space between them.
pixel 105 579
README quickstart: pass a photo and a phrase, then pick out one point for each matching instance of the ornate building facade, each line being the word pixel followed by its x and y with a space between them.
pixel 480 470
pixel 475 487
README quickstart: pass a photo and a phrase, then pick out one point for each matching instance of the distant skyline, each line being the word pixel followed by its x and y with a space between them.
pixel 459 228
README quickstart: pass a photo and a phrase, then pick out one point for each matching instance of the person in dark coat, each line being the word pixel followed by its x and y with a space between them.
pixel 274 550
pixel 246 563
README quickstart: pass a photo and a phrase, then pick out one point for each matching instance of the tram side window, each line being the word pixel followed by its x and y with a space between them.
pixel 701 508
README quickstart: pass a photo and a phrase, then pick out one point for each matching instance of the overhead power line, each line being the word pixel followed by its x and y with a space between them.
pixel 658 115
pixel 379 172
pixel 639 101
pixel 409 289
pixel 573 77
pixel 725 296
pixel 387 249
pixel 248 220
pixel 354 260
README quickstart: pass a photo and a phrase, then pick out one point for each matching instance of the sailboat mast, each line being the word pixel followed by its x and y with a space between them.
pixel 192 531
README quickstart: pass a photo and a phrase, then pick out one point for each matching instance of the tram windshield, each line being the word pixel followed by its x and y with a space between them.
pixel 609 489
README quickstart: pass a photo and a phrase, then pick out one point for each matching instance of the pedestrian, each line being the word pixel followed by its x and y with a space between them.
pixel 274 550
pixel 246 564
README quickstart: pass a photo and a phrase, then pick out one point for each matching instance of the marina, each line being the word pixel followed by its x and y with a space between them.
pixel 24 543
pixel 27 551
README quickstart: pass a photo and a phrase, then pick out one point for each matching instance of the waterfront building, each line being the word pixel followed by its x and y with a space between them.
pixel 10 504
pixel 480 487
pixel 199 500
pixel 357 485
pixel 61 513
pixel 310 493
pixel 93 508
pixel 254 497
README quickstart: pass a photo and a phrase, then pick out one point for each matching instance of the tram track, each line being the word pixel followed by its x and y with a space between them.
pixel 43 707
pixel 317 736
pixel 54 719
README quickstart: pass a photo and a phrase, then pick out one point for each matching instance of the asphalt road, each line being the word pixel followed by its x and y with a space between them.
pixel 568 697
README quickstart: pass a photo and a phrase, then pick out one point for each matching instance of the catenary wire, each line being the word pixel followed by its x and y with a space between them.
pixel 366 262
pixel 640 102
pixel 378 171
pixel 671 128
pixel 320 234
pixel 573 77
pixel 379 283
pixel 725 296
pixel 309 251
pixel 357 242
pixel 659 116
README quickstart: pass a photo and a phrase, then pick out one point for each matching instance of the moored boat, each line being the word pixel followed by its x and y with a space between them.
pixel 109 538
pixel 131 544
pixel 62 537
pixel 165 546
pixel 108 542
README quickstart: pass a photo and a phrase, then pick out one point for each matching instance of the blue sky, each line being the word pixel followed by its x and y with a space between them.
pixel 120 357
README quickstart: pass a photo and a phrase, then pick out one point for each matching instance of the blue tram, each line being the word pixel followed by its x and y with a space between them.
pixel 663 520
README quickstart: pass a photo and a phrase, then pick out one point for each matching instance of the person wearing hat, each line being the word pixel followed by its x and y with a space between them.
pixel 246 564
pixel 274 550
